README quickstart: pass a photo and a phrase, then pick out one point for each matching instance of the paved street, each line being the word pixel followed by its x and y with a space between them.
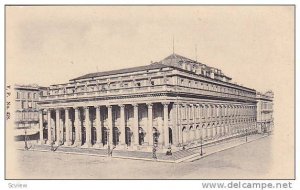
pixel 250 160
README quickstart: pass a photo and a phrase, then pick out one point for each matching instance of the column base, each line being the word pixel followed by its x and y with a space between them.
pixel 86 145
pixel 77 144
pixel 68 143
pixel 98 145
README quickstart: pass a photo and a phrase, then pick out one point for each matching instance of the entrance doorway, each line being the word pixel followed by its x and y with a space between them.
pixel 128 135
pixel 155 136
pixel 116 136
pixel 170 136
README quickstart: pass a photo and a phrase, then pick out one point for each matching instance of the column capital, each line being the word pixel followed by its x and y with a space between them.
pixel 135 104
pixel 165 103
pixel 109 106
pixel 76 107
pixel 68 108
pixel 86 107
pixel 122 105
pixel 149 105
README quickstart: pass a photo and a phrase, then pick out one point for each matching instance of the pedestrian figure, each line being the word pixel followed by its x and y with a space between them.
pixel 169 151
pixel 52 146
pixel 110 153
pixel 26 138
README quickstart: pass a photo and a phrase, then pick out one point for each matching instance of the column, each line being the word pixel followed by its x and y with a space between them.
pixel 109 122
pixel 175 113
pixel 179 107
pixel 77 127
pixel 57 126
pixel 135 128
pixel 150 125
pixel 41 126
pixel 166 125
pixel 88 130
pixel 98 126
pixel 122 124
pixel 68 127
pixel 49 126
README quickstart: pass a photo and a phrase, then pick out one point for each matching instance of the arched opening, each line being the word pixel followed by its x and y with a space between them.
pixel 191 134
pixel 142 135
pixel 203 134
pixel 184 135
pixel 170 136
pixel 83 135
pixel 128 135
pixel 73 134
pixel 213 131
pixel 94 135
pixel 116 136
pixel 197 132
pixel 155 136
pixel 104 135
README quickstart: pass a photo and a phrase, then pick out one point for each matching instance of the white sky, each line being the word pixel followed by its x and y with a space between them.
pixel 48 45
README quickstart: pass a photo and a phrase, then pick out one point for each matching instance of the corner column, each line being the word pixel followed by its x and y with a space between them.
pixel 67 124
pixel 122 124
pixel 150 125
pixel 166 124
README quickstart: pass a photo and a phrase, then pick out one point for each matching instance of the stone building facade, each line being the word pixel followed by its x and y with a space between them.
pixel 172 103
pixel 26 106
pixel 265 120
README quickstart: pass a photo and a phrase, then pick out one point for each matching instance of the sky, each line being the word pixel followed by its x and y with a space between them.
pixel 48 45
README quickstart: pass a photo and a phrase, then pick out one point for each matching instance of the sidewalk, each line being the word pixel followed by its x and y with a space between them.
pixel 218 147
pixel 188 155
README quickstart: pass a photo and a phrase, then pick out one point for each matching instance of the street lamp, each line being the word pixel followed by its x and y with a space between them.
pixel 25 140
pixel 201 146
pixel 246 135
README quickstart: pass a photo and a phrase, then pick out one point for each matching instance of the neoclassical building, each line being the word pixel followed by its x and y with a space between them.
pixel 174 102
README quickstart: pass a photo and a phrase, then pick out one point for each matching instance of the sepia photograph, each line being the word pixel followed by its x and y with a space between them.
pixel 149 92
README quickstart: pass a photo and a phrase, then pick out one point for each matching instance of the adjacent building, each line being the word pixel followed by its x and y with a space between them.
pixel 265 121
pixel 26 108
pixel 175 102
